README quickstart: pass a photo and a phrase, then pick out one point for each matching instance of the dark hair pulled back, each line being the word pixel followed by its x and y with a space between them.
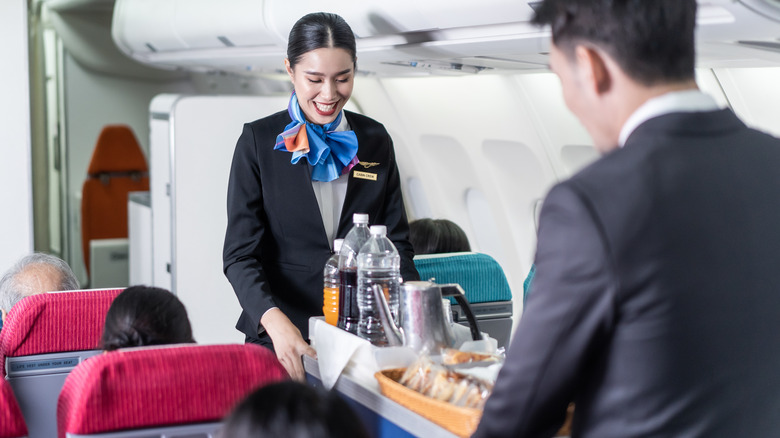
pixel 318 30
pixel 437 236
pixel 143 315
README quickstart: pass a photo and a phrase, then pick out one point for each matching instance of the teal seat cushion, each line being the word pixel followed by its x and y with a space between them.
pixel 480 275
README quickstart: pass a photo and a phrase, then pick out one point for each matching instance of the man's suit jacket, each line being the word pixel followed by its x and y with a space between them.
pixel 656 302
pixel 275 244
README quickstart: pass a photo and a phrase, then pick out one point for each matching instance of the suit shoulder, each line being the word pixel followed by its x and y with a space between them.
pixel 359 122
pixel 616 164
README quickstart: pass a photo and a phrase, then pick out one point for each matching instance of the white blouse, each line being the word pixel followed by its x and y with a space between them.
pixel 330 195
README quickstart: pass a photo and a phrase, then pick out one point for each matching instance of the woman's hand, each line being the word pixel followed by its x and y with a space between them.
pixel 288 342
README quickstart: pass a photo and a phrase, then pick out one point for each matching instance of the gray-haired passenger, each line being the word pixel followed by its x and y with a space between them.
pixel 34 274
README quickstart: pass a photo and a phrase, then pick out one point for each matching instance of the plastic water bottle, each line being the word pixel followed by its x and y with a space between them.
pixel 378 264
pixel 330 285
pixel 348 306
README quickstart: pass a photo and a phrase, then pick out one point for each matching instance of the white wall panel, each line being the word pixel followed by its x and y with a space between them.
pixel 708 83
pixel 203 135
pixel 557 126
pixel 754 94
pixel 371 98
pixel 16 226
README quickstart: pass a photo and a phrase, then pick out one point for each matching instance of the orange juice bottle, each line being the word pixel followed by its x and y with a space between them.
pixel 330 290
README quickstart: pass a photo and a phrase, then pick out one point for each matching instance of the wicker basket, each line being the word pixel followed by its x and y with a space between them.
pixel 460 421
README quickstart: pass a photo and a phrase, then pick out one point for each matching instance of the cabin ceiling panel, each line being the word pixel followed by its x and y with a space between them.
pixel 399 38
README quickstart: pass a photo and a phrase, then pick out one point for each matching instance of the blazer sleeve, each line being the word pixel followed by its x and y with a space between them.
pixel 246 226
pixel 568 317
pixel 396 221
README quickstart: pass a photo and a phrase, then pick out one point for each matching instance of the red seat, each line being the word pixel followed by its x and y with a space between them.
pixel 11 420
pixel 117 167
pixel 148 387
pixel 43 338
pixel 56 322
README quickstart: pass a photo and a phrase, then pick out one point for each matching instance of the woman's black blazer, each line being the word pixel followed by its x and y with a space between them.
pixel 275 243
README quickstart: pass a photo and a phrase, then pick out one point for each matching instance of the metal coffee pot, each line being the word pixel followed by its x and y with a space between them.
pixel 421 316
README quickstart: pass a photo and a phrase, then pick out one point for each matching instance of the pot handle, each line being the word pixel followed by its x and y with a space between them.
pixel 454 290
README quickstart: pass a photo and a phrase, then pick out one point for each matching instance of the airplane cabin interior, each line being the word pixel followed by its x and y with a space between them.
pixel 480 128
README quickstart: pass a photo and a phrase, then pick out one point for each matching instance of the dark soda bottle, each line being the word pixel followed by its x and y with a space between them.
pixel 349 313
pixel 348 308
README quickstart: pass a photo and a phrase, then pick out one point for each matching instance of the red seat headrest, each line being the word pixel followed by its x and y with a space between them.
pixel 55 322
pixel 116 150
pixel 161 386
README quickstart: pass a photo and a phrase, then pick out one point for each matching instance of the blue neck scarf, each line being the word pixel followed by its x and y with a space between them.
pixel 330 153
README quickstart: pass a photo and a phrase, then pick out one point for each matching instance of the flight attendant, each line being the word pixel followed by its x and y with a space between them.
pixel 297 178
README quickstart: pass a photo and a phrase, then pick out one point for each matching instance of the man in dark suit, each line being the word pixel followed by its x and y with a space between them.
pixel 656 303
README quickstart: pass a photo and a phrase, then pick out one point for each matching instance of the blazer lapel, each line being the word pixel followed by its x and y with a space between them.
pixel 362 193
pixel 345 218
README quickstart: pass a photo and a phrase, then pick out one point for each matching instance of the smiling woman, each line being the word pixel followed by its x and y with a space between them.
pixel 292 191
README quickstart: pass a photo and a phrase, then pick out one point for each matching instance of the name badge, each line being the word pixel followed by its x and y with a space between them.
pixel 364 175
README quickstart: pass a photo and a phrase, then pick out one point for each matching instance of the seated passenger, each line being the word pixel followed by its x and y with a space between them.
pixel 435 236
pixel 294 410
pixel 34 274
pixel 143 315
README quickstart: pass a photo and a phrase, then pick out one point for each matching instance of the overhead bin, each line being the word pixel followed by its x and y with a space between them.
pixel 251 35
pixel 196 34
pixel 396 37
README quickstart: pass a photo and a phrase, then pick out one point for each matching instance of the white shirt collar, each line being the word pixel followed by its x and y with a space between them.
pixel 343 124
pixel 688 101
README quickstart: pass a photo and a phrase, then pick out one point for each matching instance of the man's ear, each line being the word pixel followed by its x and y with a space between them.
pixel 594 69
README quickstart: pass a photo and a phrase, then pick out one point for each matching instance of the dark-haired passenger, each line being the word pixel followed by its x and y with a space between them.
pixel 656 299
pixel 436 236
pixel 293 410
pixel 297 178
pixel 143 315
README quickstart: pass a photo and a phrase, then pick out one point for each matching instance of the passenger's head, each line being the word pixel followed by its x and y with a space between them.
pixel 435 236
pixel 604 51
pixel 295 410
pixel 652 41
pixel 143 315
pixel 321 61
pixel 34 274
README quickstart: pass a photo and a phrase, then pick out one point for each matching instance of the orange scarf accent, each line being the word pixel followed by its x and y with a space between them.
pixel 299 142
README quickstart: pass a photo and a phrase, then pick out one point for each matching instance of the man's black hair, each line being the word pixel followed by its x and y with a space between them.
pixel 651 40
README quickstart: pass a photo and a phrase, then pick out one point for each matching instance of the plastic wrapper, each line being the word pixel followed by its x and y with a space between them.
pixel 442 383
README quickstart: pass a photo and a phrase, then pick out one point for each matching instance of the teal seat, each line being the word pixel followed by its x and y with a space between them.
pixel 480 275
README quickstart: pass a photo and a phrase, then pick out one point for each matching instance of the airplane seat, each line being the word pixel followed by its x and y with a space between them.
pixel 484 282
pixel 117 167
pixel 162 391
pixel 43 338
pixel 11 420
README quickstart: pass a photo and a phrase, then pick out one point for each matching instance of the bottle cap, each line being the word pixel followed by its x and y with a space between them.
pixel 360 218
pixel 337 245
pixel 380 230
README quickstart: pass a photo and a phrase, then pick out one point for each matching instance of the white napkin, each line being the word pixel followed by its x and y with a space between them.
pixel 464 341
pixel 335 349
